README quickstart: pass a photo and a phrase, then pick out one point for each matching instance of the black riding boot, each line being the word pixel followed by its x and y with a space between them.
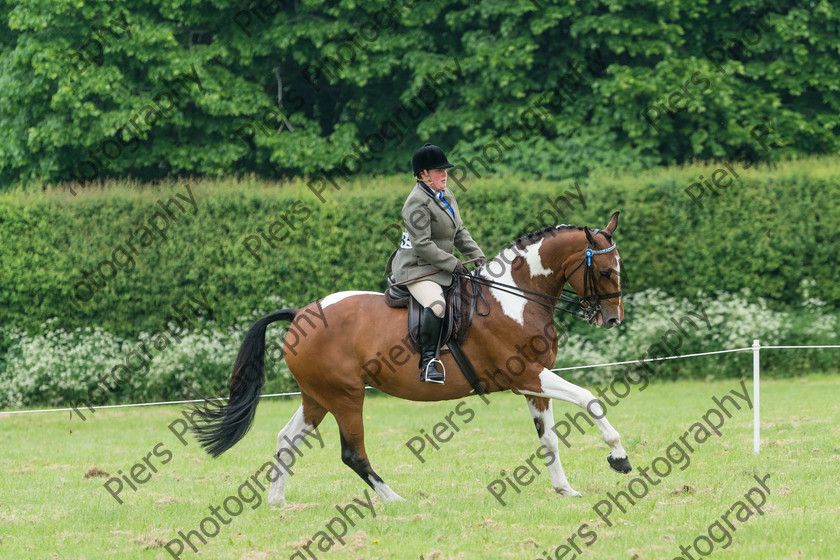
pixel 430 368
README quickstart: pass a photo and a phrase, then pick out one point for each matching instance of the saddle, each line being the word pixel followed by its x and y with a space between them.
pixel 460 307
pixel 454 325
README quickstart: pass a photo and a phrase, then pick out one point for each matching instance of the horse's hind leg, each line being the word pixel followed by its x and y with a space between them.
pixel 289 441
pixel 541 412
pixel 352 433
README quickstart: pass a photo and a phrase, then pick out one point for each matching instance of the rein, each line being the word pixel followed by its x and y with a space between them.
pixel 590 293
pixel 510 289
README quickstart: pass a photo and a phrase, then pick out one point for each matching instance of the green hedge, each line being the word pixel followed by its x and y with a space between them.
pixel 767 232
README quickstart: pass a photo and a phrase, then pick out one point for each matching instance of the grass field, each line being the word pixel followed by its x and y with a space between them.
pixel 49 509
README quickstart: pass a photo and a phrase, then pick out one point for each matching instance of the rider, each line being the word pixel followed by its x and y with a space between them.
pixel 433 229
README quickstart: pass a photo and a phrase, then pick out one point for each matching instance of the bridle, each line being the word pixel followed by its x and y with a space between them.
pixel 588 306
pixel 589 311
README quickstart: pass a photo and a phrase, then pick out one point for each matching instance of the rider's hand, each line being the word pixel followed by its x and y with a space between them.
pixel 460 269
pixel 480 262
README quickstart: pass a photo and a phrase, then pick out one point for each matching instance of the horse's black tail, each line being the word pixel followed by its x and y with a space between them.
pixel 218 428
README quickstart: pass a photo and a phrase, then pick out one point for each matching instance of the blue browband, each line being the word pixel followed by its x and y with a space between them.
pixel 589 252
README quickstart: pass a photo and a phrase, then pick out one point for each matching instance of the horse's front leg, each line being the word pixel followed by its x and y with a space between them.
pixel 544 422
pixel 552 386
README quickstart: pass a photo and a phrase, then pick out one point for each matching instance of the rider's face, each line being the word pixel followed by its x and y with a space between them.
pixel 435 178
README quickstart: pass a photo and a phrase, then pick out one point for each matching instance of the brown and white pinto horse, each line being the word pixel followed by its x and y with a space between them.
pixel 329 364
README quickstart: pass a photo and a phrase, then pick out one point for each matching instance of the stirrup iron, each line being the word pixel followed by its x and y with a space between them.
pixel 424 376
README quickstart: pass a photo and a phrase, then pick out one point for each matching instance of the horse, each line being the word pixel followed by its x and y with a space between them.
pixel 333 361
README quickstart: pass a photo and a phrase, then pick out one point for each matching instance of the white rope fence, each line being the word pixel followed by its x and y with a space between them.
pixel 660 359
pixel 755 348
pixel 140 404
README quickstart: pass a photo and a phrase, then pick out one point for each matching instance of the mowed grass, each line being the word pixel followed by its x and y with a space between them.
pixel 50 510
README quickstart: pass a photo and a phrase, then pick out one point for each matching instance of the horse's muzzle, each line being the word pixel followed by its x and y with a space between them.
pixel 602 319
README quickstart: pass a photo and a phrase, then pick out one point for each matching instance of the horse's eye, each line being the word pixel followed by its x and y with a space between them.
pixel 606 273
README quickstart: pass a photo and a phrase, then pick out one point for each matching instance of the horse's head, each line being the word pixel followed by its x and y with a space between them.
pixel 596 277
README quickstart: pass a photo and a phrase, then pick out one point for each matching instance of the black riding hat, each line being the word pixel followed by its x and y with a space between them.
pixel 429 157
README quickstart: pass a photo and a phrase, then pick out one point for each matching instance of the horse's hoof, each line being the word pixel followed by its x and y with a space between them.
pixel 277 502
pixel 569 492
pixel 619 465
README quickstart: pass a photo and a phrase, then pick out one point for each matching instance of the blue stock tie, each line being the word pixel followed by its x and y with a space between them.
pixel 440 196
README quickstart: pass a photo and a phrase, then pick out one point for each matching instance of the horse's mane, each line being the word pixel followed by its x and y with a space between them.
pixel 531 238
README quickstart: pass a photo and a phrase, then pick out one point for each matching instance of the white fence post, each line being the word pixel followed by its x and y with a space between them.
pixel 756 360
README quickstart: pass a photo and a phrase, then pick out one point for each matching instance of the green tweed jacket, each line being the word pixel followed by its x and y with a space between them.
pixel 431 234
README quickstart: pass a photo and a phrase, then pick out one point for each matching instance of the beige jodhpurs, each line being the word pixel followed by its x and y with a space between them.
pixel 428 294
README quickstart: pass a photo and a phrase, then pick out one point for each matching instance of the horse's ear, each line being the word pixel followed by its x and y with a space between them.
pixel 613 223
pixel 589 236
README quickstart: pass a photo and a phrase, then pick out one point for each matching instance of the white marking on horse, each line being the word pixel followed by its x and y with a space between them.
pixel 549 440
pixel 555 387
pixel 532 256
pixel 513 305
pixel 385 491
pixel 294 430
pixel 338 296
pixel 617 270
